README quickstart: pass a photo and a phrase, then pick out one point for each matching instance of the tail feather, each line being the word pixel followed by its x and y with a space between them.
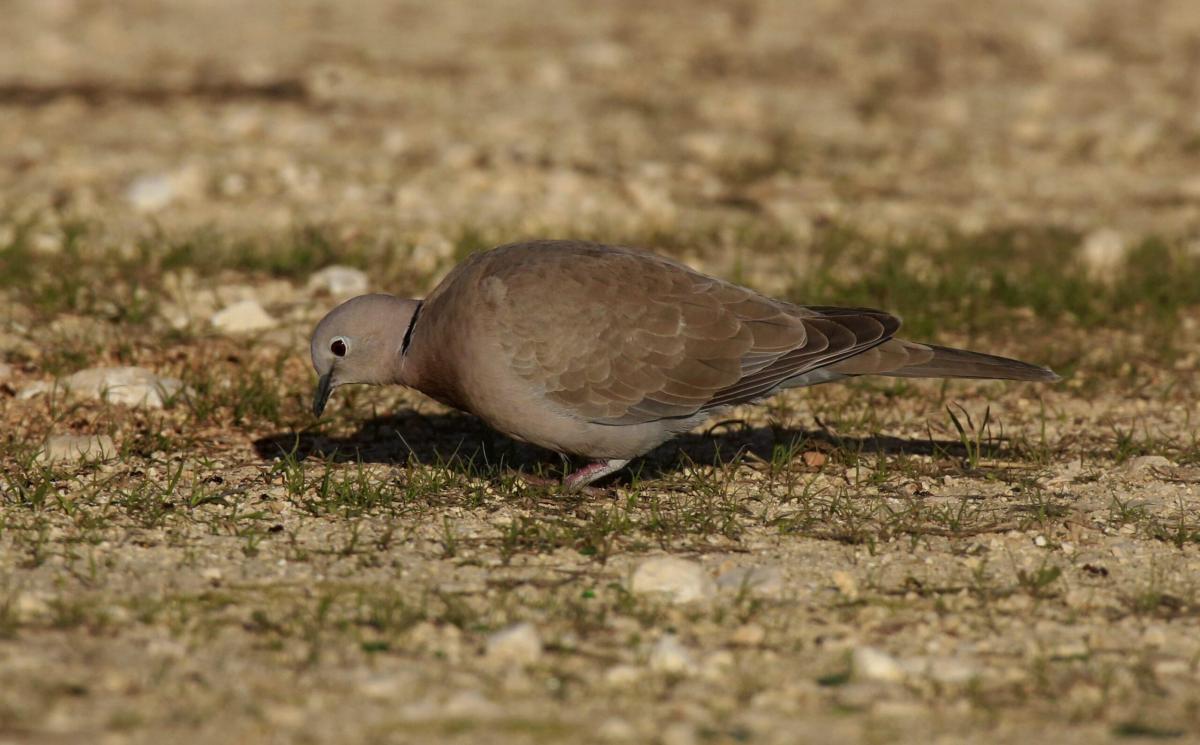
pixel 947 362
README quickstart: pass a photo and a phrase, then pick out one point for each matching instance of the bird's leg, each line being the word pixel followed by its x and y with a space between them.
pixel 592 471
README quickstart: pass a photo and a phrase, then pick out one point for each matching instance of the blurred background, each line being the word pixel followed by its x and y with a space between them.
pixel 616 118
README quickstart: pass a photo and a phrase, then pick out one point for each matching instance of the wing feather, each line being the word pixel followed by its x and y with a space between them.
pixel 628 337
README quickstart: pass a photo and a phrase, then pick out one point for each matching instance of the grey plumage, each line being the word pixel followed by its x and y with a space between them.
pixel 606 352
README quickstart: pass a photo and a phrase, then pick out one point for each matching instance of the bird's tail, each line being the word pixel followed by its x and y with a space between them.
pixel 905 359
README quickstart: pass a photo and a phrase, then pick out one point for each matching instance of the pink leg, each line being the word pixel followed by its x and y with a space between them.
pixel 589 473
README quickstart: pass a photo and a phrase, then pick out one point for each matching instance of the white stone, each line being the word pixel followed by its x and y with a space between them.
pixel 869 663
pixel 519 644
pixel 678 580
pixel 132 386
pixel 756 580
pixel 72 448
pixel 242 317
pixel 151 192
pixel 669 656
pixel 339 281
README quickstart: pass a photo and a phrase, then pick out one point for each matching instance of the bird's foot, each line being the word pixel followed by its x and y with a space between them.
pixel 596 470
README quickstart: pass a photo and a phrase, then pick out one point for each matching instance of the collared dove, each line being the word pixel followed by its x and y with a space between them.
pixel 606 352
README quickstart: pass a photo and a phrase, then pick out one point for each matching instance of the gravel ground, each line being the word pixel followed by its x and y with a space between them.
pixel 186 554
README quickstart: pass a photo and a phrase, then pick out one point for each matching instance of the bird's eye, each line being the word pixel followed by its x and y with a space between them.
pixel 338 347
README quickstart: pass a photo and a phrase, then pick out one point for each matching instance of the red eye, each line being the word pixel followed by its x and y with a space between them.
pixel 338 347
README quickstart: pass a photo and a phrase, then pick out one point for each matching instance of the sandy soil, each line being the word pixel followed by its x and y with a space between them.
pixel 841 566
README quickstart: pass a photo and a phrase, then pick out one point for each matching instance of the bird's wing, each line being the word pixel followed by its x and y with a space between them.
pixel 614 336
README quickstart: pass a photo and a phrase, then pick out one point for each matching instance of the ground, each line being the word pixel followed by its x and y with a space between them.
pixel 884 561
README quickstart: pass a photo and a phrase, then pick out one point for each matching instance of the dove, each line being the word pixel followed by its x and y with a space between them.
pixel 605 352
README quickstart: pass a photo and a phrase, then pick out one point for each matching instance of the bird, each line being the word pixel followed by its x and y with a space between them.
pixel 605 352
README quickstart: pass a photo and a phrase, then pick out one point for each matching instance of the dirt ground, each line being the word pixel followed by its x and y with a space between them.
pixel 876 562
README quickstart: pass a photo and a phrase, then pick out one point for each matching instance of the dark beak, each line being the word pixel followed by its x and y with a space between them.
pixel 324 388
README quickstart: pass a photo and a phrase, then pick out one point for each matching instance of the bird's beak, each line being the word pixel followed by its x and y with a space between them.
pixel 324 388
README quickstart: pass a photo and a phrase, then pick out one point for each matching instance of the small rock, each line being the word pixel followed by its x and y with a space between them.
pixel 132 386
pixel 845 584
pixel 151 192
pixel 242 317
pixel 6 372
pixel 339 281
pixel 758 580
pixel 869 663
pixel 1104 253
pixel 1144 463
pixel 212 575
pixel 72 448
pixel 519 644
pixel 679 580
pixel 671 657
pixel 814 458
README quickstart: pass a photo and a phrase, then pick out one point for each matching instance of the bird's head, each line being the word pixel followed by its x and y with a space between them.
pixel 360 341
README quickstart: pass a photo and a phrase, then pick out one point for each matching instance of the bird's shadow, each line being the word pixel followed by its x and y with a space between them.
pixel 462 442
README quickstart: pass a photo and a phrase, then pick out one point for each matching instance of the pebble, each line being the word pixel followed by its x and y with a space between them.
pixel 132 386
pixel 1147 463
pixel 757 580
pixel 151 192
pixel 519 644
pixel 669 656
pixel 869 663
pixel 339 281
pixel 6 371
pixel 242 317
pixel 678 580
pixel 73 448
